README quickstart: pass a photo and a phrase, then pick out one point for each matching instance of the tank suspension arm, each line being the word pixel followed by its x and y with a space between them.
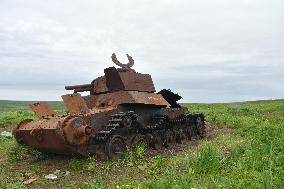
pixel 80 88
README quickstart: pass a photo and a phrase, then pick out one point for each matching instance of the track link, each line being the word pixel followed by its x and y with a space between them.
pixel 114 123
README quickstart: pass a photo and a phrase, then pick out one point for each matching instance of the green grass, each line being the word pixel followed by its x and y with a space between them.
pixel 247 151
pixel 12 112
pixel 12 106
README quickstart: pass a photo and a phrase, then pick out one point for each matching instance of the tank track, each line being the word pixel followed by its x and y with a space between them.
pixel 182 127
pixel 190 120
pixel 160 132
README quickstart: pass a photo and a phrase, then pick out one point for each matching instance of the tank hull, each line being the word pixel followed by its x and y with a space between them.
pixel 93 133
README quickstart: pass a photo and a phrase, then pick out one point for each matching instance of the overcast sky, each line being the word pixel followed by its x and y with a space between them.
pixel 207 51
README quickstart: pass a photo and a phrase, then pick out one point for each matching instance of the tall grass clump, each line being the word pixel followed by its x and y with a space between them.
pixel 208 160
pixel 134 155
pixel 91 164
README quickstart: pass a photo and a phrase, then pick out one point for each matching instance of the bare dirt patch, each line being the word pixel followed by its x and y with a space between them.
pixel 212 130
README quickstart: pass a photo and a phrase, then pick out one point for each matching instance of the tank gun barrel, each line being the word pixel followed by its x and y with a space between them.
pixel 80 88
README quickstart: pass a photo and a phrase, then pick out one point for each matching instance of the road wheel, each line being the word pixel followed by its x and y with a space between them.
pixel 181 136
pixel 115 147
pixel 200 126
pixel 169 139
pixel 158 141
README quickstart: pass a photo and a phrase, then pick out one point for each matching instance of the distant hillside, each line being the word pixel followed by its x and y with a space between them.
pixel 10 106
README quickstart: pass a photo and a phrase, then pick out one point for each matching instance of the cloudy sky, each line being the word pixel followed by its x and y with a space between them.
pixel 207 51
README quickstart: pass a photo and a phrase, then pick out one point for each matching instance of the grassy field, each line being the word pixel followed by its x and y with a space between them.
pixel 244 149
pixel 10 106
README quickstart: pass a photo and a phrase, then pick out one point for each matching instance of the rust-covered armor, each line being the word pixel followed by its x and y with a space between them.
pixel 122 110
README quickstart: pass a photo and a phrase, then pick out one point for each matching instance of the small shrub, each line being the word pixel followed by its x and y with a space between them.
pixel 140 150
pixel 133 156
pixel 130 158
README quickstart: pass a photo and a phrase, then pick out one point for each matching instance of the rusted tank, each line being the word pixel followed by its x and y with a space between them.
pixel 121 111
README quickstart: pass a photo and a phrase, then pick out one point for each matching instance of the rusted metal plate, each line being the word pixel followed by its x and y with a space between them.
pixel 99 85
pixel 113 80
pixel 148 98
pixel 75 103
pixel 42 109
pixel 134 81
pixel 124 97
pixel 58 134
pixel 174 112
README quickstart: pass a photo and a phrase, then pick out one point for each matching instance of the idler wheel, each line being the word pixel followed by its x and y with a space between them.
pixel 115 147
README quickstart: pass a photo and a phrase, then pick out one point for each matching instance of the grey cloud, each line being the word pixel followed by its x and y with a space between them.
pixel 207 51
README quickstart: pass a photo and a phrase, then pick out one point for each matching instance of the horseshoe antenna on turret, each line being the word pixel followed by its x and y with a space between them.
pixel 124 66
